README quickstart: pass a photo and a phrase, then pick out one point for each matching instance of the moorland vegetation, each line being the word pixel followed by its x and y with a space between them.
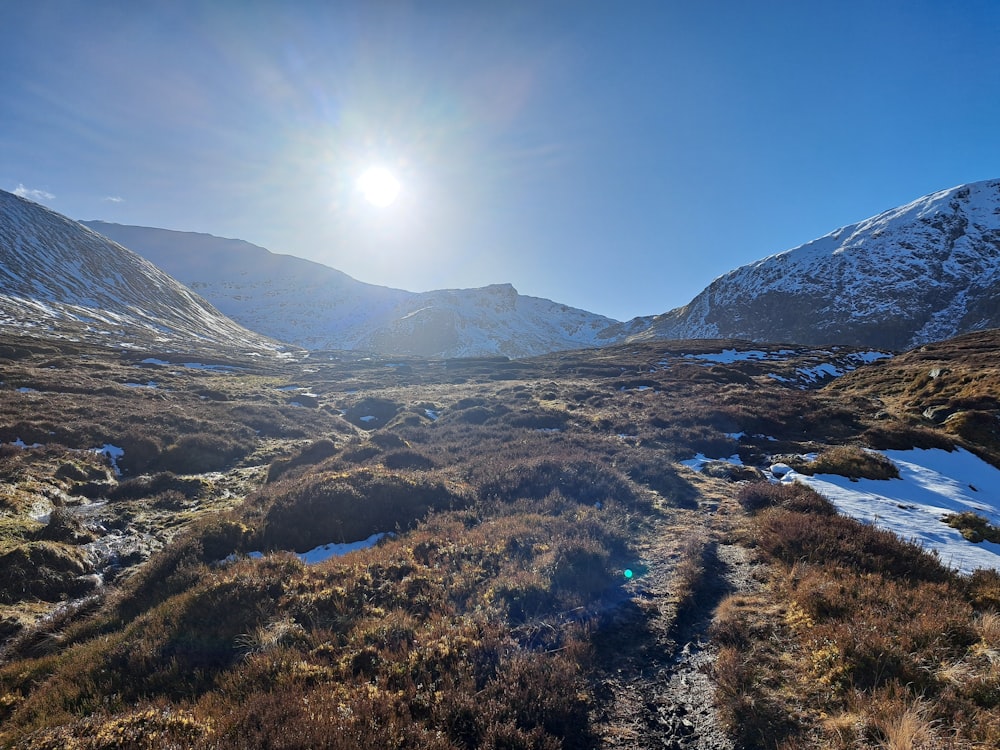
pixel 153 596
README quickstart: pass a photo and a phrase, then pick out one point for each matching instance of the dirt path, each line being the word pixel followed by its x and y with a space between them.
pixel 654 655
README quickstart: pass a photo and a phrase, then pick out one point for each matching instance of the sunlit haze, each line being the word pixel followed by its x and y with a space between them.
pixel 610 156
pixel 379 186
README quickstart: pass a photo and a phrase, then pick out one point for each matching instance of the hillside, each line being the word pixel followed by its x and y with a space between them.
pixel 585 549
pixel 923 272
pixel 58 278
pixel 317 307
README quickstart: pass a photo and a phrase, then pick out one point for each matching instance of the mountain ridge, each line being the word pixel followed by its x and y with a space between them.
pixel 318 307
pixel 924 271
pixel 921 272
pixel 60 278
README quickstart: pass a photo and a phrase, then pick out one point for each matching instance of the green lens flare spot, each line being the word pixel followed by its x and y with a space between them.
pixel 628 573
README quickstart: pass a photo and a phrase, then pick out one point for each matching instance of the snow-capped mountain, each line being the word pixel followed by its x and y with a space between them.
pixel 923 272
pixel 59 278
pixel 317 307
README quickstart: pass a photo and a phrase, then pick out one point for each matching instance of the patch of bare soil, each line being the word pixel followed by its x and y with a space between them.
pixel 654 657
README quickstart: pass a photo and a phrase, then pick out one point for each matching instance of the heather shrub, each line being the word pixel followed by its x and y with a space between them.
pixel 45 570
pixel 653 469
pixel 757 496
pixel 581 569
pixel 793 536
pixel 984 589
pixel 407 459
pixel 328 507
pixel 852 462
pixel 358 454
pixel 203 452
pixel 894 435
pixel 371 413
pixel 267 420
pixel 581 481
pixel 471 415
pixel 148 486
pixel 314 453
pixel 387 440
pixel 64 526
pixel 141 451
pixel 537 419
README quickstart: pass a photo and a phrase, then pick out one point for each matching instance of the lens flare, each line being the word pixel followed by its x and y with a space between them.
pixel 379 186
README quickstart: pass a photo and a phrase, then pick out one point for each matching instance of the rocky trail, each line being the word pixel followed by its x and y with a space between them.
pixel 654 654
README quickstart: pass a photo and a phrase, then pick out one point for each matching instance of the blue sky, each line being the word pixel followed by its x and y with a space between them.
pixel 614 156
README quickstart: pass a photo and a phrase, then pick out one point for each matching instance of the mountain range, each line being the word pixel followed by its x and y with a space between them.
pixel 317 307
pixel 922 272
pixel 925 271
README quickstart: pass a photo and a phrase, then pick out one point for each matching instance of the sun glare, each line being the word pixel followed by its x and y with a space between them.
pixel 379 186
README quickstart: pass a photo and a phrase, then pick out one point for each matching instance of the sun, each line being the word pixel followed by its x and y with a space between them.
pixel 379 186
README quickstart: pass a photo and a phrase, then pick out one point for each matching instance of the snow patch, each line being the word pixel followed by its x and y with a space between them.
pixel 323 552
pixel 113 452
pixel 933 483
pixel 698 462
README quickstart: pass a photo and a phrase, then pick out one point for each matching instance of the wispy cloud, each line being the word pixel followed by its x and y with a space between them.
pixel 114 199
pixel 32 194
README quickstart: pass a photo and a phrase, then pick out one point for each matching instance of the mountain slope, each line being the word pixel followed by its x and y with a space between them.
pixel 922 272
pixel 61 278
pixel 317 307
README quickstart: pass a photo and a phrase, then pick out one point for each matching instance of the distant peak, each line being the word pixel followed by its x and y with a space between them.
pixel 504 289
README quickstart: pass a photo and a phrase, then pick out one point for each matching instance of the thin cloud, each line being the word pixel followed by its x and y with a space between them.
pixel 114 199
pixel 32 194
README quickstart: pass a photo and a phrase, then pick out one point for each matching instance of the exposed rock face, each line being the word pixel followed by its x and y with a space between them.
pixel 923 272
pixel 59 278
pixel 318 307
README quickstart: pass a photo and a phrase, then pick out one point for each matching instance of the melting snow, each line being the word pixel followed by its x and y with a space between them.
pixel 819 372
pixel 932 484
pixel 21 444
pixel 728 356
pixel 324 551
pixel 700 460
pixel 113 452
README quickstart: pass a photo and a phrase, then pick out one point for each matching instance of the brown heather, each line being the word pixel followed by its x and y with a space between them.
pixel 496 614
